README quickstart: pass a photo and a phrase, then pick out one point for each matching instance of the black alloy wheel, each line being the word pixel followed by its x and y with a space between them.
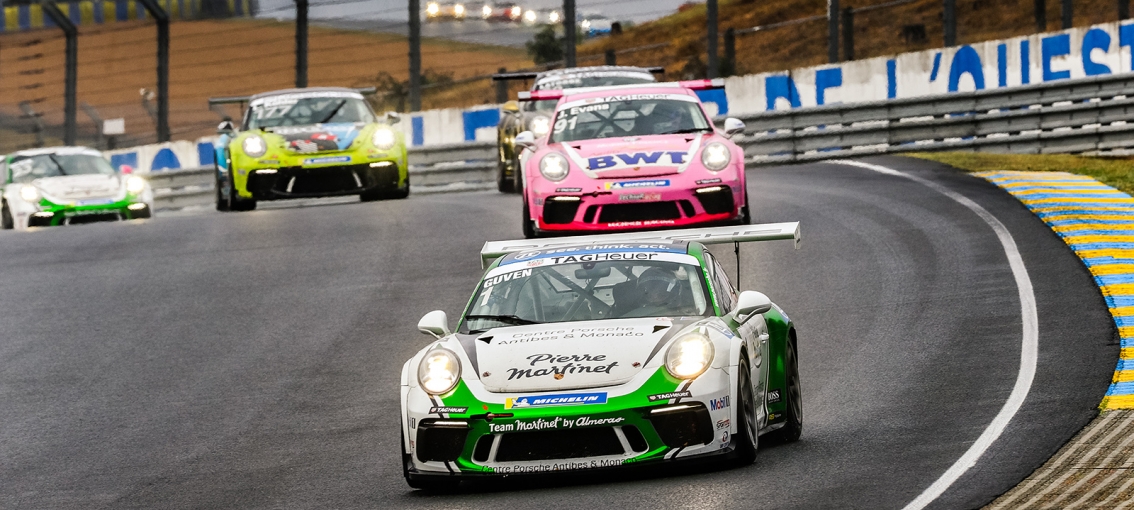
pixel 793 395
pixel 747 435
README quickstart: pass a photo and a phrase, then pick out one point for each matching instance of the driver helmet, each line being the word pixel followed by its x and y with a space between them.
pixel 657 285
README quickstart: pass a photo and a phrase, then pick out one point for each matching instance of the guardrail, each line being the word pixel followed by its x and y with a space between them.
pixel 457 167
pixel 1072 116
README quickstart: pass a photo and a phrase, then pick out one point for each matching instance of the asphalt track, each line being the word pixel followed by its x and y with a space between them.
pixel 251 360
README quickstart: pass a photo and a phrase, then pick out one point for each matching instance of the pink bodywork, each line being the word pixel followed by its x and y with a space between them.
pixel 643 195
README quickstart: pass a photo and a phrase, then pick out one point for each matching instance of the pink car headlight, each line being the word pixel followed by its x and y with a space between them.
pixel 716 156
pixel 553 166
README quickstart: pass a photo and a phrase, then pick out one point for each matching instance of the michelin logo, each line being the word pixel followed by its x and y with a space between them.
pixel 563 399
pixel 656 183
pixel 321 161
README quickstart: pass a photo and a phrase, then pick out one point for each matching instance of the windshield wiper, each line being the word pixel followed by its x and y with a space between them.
pixel 506 319
pixel 687 131
pixel 57 164
pixel 333 112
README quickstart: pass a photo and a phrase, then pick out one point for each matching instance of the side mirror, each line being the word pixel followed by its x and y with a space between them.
pixel 125 169
pixel 733 127
pixel 434 323
pixel 525 140
pixel 393 118
pixel 225 128
pixel 510 107
pixel 751 303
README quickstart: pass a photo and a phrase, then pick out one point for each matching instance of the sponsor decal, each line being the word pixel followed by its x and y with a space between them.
pixel 561 399
pixel 709 181
pixel 771 416
pixel 773 396
pixel 637 159
pixel 449 410
pixel 654 183
pixel 552 424
pixel 568 190
pixel 321 161
pixel 594 248
pixel 268 162
pixel 724 439
pixel 571 334
pixel 563 364
pixel 669 396
pixel 649 223
pixel 560 466
pixel 535 263
pixel 514 275
pixel 97 201
pixel 717 404
pixel 603 257
pixel 639 196
pixel 723 424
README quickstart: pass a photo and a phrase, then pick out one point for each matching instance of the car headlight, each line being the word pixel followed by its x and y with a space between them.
pixel 539 125
pixel 486 11
pixel 716 156
pixel 553 166
pixel 439 371
pixel 30 194
pixel 459 10
pixel 384 139
pixel 432 9
pixel 689 356
pixel 135 184
pixel 254 146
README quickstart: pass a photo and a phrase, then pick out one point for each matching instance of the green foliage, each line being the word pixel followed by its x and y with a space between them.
pixel 1117 172
pixel 545 46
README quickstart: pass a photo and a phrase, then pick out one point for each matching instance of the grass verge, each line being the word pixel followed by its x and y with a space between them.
pixel 1112 171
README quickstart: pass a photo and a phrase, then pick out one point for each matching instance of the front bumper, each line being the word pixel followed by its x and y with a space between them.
pixel 649 208
pixel 323 181
pixel 467 437
pixel 55 215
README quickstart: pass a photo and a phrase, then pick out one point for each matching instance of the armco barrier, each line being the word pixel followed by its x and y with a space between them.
pixel 466 166
pixel 1072 116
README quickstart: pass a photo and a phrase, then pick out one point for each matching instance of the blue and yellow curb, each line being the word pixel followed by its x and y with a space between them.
pixel 1097 222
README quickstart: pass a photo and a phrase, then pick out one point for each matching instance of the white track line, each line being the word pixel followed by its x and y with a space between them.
pixel 1029 344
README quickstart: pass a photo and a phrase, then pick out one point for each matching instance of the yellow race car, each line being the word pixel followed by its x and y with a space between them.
pixel 312 142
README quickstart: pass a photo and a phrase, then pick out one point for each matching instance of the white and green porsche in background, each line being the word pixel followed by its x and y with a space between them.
pixel 67 186
pixel 601 352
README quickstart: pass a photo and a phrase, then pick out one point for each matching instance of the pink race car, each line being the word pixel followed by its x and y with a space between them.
pixel 633 157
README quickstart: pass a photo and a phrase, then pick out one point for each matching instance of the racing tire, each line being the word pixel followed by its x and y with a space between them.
pixel 517 176
pixel 746 216
pixel 428 485
pixel 222 203
pixel 527 223
pixel 747 434
pixel 503 180
pixel 6 218
pixel 235 203
pixel 793 398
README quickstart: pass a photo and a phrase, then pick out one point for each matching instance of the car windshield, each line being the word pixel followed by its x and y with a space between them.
pixel 620 116
pixel 541 291
pixel 298 110
pixel 29 168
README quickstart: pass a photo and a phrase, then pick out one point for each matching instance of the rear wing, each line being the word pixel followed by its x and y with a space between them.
pixel 541 95
pixel 493 250
pixel 533 74
pixel 241 100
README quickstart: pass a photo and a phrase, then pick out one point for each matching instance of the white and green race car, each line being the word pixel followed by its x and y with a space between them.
pixel 66 186
pixel 601 352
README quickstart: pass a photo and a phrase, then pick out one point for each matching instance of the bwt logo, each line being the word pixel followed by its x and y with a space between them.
pixel 636 159
pixel 717 404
